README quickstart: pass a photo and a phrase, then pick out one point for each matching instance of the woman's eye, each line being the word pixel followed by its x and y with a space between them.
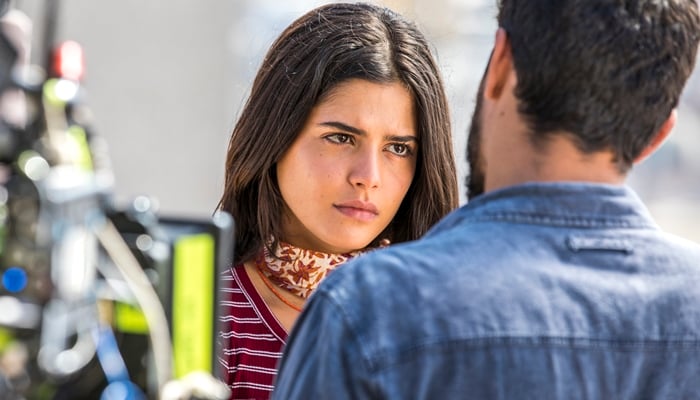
pixel 340 138
pixel 400 149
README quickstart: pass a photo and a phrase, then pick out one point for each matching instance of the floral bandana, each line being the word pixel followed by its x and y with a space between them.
pixel 299 270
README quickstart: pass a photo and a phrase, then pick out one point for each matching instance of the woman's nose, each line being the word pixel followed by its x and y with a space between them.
pixel 365 171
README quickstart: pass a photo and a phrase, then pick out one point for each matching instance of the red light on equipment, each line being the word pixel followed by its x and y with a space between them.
pixel 68 61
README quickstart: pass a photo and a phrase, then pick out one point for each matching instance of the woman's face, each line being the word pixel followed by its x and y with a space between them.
pixel 345 175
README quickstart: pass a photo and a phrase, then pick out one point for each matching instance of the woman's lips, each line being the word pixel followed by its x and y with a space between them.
pixel 361 210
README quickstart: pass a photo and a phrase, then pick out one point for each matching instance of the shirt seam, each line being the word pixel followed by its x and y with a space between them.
pixel 558 220
pixel 347 322
pixel 404 354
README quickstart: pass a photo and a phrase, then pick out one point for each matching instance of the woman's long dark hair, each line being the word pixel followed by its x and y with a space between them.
pixel 329 45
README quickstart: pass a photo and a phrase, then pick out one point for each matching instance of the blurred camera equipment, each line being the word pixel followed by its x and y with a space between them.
pixel 95 301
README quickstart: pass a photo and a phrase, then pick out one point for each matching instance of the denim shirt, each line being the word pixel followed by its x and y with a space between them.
pixel 537 291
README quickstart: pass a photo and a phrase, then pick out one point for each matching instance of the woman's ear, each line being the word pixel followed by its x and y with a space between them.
pixel 500 66
pixel 659 138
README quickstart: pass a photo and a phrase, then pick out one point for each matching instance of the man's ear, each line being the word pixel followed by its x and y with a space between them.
pixel 500 66
pixel 659 138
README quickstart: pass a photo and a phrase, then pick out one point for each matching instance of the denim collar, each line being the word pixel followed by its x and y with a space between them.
pixel 562 203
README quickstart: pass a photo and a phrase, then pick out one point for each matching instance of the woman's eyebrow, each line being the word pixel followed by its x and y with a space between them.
pixel 399 138
pixel 343 127
pixel 347 128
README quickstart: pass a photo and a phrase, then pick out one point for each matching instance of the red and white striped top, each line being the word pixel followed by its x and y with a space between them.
pixel 252 338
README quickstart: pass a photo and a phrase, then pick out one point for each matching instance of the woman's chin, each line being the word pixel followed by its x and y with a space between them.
pixel 343 247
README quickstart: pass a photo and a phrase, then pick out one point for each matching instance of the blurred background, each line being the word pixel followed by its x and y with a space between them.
pixel 166 80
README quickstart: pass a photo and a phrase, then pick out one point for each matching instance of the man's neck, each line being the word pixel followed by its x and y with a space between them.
pixel 558 161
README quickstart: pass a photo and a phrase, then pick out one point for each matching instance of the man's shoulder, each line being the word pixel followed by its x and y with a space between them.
pixel 456 243
pixel 422 276
pixel 681 243
pixel 406 261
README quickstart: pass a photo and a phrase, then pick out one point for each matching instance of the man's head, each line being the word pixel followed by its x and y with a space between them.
pixel 607 72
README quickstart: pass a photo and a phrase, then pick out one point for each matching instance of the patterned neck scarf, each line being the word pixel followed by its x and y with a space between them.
pixel 299 270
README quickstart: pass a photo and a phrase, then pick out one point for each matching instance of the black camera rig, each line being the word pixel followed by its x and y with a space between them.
pixel 95 301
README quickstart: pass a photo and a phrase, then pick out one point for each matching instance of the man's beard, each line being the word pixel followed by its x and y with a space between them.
pixel 475 179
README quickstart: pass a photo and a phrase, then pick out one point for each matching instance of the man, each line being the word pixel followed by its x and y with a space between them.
pixel 554 283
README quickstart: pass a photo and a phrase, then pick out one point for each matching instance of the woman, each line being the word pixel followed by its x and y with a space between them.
pixel 344 145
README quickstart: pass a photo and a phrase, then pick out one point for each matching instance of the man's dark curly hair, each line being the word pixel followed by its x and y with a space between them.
pixel 608 71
